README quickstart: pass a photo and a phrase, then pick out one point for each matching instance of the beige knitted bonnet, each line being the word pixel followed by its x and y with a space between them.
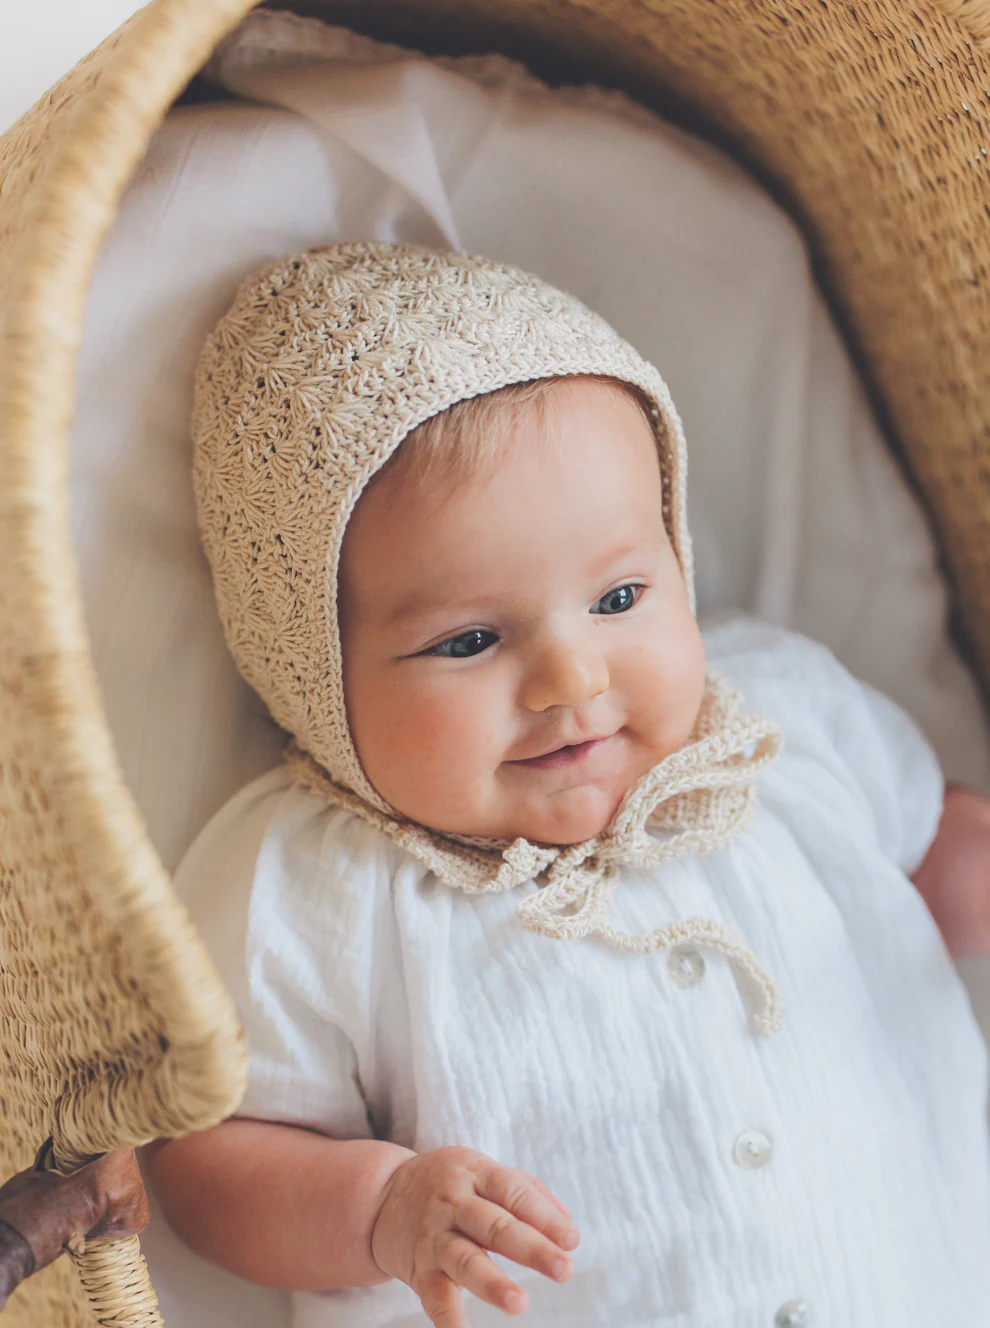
pixel 325 362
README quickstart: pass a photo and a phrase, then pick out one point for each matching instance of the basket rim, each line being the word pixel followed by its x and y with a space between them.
pixel 141 69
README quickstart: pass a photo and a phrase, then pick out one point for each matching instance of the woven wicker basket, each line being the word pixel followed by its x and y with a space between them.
pixel 872 121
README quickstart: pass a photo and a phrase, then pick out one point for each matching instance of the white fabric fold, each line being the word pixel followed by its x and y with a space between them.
pixel 378 111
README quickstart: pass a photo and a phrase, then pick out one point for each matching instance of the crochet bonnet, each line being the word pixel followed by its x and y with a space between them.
pixel 325 362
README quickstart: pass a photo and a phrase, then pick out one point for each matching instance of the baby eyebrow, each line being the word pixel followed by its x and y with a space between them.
pixel 418 604
pixel 426 606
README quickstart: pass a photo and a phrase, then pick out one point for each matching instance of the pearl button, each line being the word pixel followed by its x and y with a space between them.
pixel 752 1150
pixel 686 967
pixel 795 1314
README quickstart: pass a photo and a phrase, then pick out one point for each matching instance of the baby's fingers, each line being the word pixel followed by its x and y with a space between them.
pixel 470 1267
pixel 496 1229
pixel 516 1192
pixel 546 1191
pixel 441 1300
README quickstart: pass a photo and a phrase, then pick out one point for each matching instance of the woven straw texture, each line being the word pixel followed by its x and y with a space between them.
pixel 113 1025
pixel 871 118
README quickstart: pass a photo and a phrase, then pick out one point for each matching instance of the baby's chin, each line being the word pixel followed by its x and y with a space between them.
pixel 540 810
pixel 567 818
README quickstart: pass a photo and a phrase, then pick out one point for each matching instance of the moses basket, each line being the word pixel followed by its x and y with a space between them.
pixel 871 122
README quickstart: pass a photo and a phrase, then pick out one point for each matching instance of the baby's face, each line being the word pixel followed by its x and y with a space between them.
pixel 519 648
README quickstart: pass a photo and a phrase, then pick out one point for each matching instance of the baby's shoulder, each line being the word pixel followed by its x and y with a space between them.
pixel 288 894
pixel 276 859
pixel 273 817
pixel 744 648
pixel 846 745
pixel 823 710
pixel 787 677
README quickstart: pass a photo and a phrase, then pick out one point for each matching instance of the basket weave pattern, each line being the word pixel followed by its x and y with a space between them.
pixel 113 1026
pixel 873 119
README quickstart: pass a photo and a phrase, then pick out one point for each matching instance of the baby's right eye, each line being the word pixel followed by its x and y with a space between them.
pixel 465 645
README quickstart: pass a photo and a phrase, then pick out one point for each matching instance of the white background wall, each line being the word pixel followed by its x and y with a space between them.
pixel 40 40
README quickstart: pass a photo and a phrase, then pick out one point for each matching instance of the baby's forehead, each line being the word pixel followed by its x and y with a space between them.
pixel 472 440
pixel 564 509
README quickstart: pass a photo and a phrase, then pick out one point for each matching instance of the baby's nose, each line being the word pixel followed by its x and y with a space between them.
pixel 564 675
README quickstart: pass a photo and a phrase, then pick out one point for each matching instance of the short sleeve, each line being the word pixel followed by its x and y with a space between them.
pixel 898 772
pixel 273 902
pixel 849 729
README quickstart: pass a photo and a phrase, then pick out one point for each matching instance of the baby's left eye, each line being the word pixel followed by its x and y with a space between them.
pixel 465 645
pixel 618 600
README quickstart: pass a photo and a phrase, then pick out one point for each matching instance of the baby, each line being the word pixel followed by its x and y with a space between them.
pixel 539 1002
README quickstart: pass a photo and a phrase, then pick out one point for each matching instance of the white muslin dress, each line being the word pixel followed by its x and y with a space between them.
pixel 834 1175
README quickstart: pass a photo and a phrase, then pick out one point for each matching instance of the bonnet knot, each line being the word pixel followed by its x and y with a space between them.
pixel 574 900
pixel 522 862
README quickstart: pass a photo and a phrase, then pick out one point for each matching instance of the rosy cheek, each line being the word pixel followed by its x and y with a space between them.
pixel 666 681
pixel 687 687
pixel 447 723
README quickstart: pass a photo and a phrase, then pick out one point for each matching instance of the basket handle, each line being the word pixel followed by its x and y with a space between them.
pixel 43 1214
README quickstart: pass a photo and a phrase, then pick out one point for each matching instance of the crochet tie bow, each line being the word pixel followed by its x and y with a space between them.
pixel 699 799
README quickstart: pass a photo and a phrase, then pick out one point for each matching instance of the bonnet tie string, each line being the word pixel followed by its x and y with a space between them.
pixel 697 800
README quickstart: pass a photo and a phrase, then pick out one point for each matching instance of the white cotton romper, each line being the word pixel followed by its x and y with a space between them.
pixel 834 1175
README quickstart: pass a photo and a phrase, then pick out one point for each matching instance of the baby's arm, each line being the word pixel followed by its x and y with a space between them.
pixel 954 878
pixel 277 1205
pixel 290 1208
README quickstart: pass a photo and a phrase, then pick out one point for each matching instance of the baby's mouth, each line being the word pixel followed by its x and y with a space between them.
pixel 569 754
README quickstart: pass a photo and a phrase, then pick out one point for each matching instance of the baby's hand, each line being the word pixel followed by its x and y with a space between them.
pixel 954 878
pixel 441 1210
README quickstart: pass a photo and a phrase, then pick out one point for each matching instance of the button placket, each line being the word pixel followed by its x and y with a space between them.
pixel 752 1149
